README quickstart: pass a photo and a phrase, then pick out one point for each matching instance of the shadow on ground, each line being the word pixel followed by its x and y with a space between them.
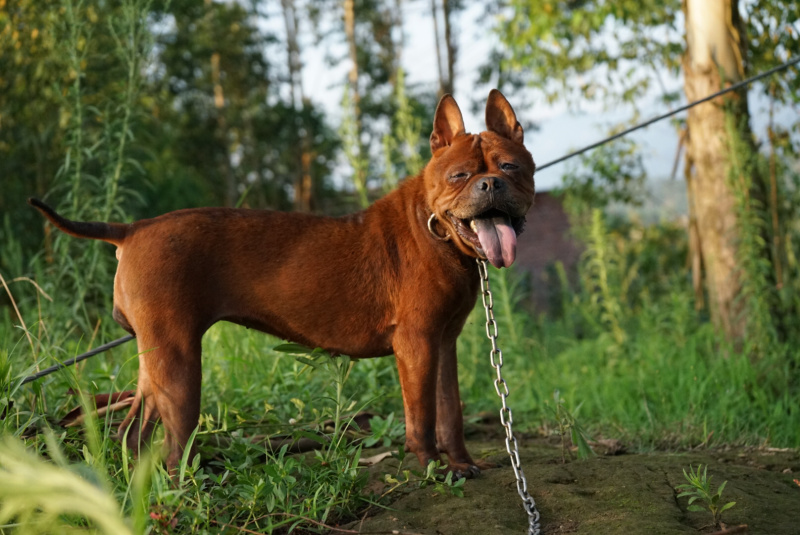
pixel 622 494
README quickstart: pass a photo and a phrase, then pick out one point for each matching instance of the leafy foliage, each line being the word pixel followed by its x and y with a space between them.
pixel 566 422
pixel 36 493
pixel 758 282
pixel 144 130
pixel 612 49
pixel 618 51
pixel 699 490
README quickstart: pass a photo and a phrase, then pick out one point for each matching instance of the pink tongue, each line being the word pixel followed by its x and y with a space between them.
pixel 498 240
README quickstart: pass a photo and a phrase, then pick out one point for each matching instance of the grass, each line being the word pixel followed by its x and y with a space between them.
pixel 669 383
pixel 627 348
pixel 648 370
pixel 249 390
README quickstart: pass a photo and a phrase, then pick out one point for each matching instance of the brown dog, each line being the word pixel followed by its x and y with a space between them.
pixel 399 277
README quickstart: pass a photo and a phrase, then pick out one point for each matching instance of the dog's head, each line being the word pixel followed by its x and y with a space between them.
pixel 480 186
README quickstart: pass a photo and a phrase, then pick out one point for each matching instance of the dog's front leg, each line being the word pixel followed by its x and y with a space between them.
pixel 449 417
pixel 417 355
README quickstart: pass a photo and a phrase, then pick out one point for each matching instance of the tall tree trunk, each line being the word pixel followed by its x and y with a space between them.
pixel 450 46
pixel 293 52
pixel 438 42
pixel 303 183
pixel 350 34
pixel 713 60
pixel 445 60
pixel 360 178
pixel 231 189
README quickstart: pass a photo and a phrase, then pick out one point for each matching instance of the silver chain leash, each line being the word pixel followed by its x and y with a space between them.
pixel 506 418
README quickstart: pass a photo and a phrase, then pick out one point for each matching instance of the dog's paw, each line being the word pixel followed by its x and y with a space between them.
pixel 483 464
pixel 463 470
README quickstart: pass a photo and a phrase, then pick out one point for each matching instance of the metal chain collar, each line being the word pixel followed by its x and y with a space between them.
pixel 501 388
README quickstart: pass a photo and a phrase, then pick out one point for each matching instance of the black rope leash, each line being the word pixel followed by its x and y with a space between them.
pixel 84 356
pixel 587 148
pixel 734 87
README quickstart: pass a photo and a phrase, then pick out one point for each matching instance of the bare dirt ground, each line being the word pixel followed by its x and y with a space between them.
pixel 608 494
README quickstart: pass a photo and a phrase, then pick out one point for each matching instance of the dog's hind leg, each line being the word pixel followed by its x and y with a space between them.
pixel 143 415
pixel 174 372
pixel 169 389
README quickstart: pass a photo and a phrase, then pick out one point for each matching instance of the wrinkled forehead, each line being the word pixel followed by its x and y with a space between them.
pixel 486 146
pixel 501 147
pixel 463 147
pixel 468 143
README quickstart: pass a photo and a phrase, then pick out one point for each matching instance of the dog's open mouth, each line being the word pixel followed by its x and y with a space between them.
pixel 493 234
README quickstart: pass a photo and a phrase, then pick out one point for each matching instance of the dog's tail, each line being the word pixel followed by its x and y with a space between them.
pixel 111 232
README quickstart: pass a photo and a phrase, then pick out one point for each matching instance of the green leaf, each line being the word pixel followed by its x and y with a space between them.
pixel 584 450
pixel 295 349
pixel 727 506
pixel 312 436
pixel 696 508
pixel 307 361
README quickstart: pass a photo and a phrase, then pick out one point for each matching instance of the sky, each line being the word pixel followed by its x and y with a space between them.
pixel 560 130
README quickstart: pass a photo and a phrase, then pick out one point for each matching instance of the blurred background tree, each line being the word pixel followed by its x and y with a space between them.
pixel 217 114
pixel 619 52
pixel 125 110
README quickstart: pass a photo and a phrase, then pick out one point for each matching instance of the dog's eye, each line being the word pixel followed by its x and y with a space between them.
pixel 459 176
pixel 508 166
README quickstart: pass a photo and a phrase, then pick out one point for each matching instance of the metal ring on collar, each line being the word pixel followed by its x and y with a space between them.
pixel 446 237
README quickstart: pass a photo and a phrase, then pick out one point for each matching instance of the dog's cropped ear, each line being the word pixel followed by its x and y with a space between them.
pixel 501 119
pixel 447 123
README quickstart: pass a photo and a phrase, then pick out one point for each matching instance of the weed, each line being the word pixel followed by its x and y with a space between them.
pixel 384 431
pixel 350 134
pixel 699 489
pixel 403 146
pixel 442 484
pixel 567 423
pixel 35 493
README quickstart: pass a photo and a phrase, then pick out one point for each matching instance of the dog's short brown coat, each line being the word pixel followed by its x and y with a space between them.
pixel 399 277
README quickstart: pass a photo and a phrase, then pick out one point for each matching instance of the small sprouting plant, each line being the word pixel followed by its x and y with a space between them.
pixel 567 424
pixel 384 431
pixel 699 489
pixel 432 475
pixel 338 370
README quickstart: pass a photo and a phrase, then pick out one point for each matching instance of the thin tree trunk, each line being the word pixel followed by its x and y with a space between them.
pixel 695 255
pixel 293 52
pixel 350 33
pixel 438 41
pixel 231 191
pixel 303 184
pixel 360 178
pixel 450 47
pixel 306 203
pixel 712 60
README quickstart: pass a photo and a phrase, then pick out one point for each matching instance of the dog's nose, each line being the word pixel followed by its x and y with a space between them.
pixel 489 184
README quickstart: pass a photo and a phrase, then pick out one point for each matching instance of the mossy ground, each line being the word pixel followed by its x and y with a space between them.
pixel 622 494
